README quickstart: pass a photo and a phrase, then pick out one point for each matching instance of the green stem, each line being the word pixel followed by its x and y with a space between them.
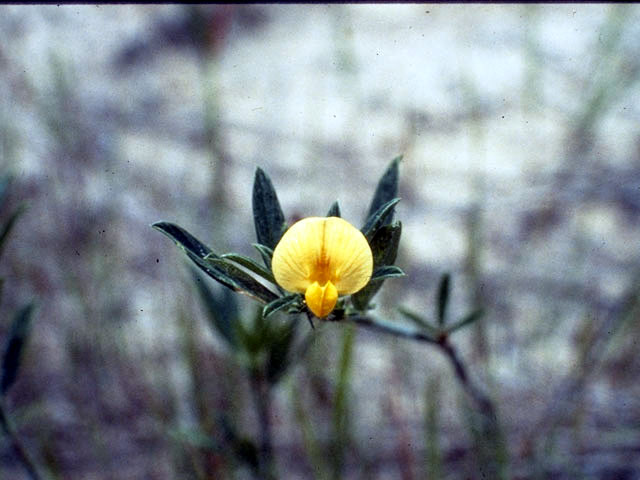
pixel 17 445
pixel 262 397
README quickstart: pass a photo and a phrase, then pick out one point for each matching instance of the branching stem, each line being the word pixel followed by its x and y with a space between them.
pixel 481 400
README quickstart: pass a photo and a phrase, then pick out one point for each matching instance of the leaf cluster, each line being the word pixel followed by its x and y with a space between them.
pixel 247 276
pixel 440 330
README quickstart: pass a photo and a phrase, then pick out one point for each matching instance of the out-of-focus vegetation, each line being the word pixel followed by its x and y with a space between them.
pixel 519 127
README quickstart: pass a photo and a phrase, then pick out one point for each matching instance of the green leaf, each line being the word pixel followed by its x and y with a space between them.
pixel 184 240
pixel 18 335
pixel 469 319
pixel 387 271
pixel 8 226
pixel 334 211
pixel 265 252
pixel 420 322
pixel 220 270
pixel 279 304
pixel 378 218
pixel 386 190
pixel 278 359
pixel 384 247
pixel 250 264
pixel 443 297
pixel 267 215
pixel 242 281
pixel 222 309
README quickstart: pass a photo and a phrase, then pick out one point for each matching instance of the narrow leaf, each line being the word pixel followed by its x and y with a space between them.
pixel 250 264
pixel 267 215
pixel 334 211
pixel 378 218
pixel 443 297
pixel 384 246
pixel 387 271
pixel 386 190
pixel 18 335
pixel 420 322
pixel 242 282
pixel 469 319
pixel 183 239
pixel 220 270
pixel 279 304
pixel 222 309
pixel 265 252
pixel 195 250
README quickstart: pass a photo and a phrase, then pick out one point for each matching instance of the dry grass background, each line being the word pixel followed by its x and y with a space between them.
pixel 519 127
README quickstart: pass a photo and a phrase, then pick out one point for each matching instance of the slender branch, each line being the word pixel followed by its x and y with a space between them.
pixel 262 397
pixel 482 401
pixel 392 328
pixel 17 445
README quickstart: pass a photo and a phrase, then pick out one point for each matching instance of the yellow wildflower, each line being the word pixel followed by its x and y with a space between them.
pixel 322 257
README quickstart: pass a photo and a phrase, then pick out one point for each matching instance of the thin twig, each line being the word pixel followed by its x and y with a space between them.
pixel 482 401
pixel 17 445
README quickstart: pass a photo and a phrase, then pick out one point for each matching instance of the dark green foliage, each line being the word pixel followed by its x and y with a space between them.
pixel 466 320
pixel 438 330
pixel 384 247
pixel 280 303
pixel 16 341
pixel 386 190
pixel 387 271
pixel 265 252
pixel 443 297
pixel 334 211
pixel 378 218
pixel 222 309
pixel 251 265
pixel 190 244
pixel 267 215
pixel 431 331
pixel 242 282
pixel 224 272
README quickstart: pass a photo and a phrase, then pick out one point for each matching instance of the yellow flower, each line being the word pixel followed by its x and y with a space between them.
pixel 324 257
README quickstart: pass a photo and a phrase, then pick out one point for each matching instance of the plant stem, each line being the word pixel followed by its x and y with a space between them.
pixel 17 445
pixel 262 397
pixel 482 401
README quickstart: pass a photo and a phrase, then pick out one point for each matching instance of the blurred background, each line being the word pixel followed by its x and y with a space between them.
pixel 520 130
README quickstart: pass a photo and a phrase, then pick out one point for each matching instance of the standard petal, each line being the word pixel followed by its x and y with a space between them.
pixel 319 249
pixel 294 257
pixel 351 261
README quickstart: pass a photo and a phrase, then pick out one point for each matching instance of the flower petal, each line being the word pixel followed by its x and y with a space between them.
pixel 318 249
pixel 321 299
